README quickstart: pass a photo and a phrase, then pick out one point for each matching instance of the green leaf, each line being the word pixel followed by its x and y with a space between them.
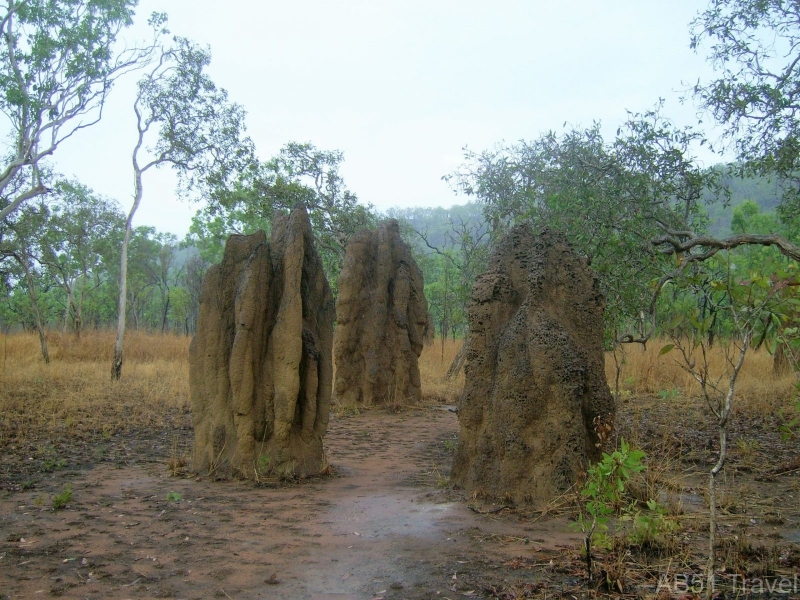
pixel 665 349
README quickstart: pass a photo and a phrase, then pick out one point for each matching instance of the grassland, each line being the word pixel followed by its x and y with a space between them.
pixel 75 395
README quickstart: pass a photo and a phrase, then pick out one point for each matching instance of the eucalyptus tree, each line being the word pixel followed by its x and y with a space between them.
pixel 59 60
pixel 19 247
pixel 184 121
pixel 77 242
pixel 299 174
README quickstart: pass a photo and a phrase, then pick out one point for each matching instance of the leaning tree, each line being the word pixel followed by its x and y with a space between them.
pixel 184 121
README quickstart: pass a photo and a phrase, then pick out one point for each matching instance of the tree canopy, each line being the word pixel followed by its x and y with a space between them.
pixel 58 63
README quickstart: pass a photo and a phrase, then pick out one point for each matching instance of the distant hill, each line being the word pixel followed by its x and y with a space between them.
pixel 435 221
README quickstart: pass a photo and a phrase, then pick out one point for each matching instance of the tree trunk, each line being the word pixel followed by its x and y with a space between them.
pixel 34 303
pixel 723 416
pixel 712 511
pixel 164 320
pixel 458 361
pixel 76 313
pixel 116 366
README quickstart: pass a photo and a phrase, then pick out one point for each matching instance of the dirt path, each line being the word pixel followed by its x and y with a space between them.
pixel 381 528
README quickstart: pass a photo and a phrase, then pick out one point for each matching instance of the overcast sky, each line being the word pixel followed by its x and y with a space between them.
pixel 402 86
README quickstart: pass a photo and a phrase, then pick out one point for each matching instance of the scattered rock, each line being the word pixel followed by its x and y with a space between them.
pixel 381 316
pixel 535 389
pixel 260 363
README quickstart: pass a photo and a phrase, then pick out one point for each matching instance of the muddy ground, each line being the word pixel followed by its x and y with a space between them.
pixel 384 525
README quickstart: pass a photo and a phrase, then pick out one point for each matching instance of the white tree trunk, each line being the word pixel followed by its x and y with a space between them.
pixel 116 366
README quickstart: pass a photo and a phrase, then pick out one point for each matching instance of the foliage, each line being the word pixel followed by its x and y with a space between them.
pixel 186 122
pixel 79 240
pixel 605 487
pixel 58 63
pixel 756 304
pixel 650 525
pixel 164 280
pixel 604 495
pixel 613 199
pixel 61 500
pixel 753 46
pixel 299 174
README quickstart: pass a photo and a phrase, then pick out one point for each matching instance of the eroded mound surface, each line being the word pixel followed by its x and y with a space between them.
pixel 382 317
pixel 260 364
pixel 535 389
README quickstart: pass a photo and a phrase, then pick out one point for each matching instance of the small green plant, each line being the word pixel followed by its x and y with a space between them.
pixel 603 495
pixel 263 463
pixel 350 410
pixel 669 394
pixel 173 497
pixel 441 480
pixel 52 463
pixel 650 525
pixel 450 445
pixel 62 499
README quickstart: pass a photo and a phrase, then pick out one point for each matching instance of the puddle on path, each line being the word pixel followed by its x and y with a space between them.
pixel 384 515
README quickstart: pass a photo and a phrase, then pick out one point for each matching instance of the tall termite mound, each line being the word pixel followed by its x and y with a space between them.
pixel 381 318
pixel 535 395
pixel 260 366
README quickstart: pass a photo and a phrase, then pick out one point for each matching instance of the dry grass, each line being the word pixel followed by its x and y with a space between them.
pixel 433 365
pixel 74 394
pixel 644 372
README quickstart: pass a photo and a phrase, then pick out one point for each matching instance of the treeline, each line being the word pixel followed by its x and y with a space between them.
pixel 61 257
pixel 452 244
pixel 60 265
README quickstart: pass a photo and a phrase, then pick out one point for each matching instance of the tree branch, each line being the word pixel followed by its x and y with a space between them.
pixel 714 245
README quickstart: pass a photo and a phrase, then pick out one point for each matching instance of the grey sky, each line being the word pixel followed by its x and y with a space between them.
pixel 402 86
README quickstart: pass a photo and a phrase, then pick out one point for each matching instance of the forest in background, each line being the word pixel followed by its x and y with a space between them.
pixel 73 244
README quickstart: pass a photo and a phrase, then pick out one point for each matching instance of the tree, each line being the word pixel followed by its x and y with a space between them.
pixel 335 213
pixel 160 272
pixel 57 66
pixel 191 127
pixel 613 199
pixel 627 205
pixel 299 174
pixel 755 305
pixel 193 273
pixel 19 244
pixel 755 48
pixel 77 242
